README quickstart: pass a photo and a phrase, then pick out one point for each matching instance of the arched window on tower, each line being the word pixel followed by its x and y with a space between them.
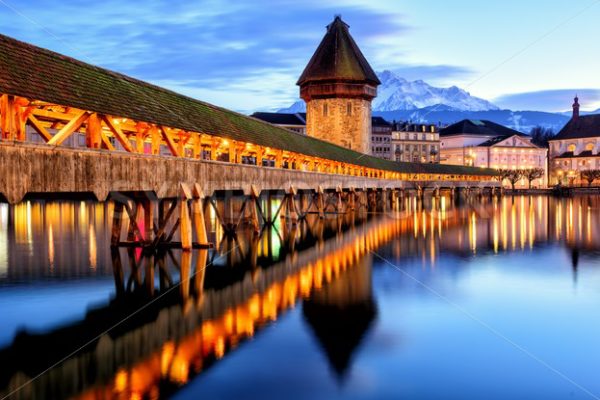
pixel 349 108
pixel 325 110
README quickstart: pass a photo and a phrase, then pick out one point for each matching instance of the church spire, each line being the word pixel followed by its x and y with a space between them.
pixel 576 108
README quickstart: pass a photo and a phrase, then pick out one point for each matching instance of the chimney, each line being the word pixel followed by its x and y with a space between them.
pixel 576 109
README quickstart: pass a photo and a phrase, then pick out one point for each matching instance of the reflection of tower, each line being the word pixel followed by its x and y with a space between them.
pixel 338 85
pixel 575 262
pixel 341 313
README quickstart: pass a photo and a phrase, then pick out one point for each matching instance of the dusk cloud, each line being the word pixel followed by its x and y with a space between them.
pixel 248 54
pixel 214 50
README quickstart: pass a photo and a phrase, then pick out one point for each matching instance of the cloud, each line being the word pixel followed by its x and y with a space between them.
pixel 254 53
pixel 550 100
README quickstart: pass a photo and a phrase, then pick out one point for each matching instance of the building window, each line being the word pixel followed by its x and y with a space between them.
pixel 325 110
pixel 349 108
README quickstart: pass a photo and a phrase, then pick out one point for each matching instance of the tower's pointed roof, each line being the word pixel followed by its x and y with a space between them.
pixel 338 58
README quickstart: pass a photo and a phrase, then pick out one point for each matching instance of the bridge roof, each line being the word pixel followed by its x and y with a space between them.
pixel 40 74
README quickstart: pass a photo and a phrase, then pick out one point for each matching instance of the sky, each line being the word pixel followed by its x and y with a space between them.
pixel 247 54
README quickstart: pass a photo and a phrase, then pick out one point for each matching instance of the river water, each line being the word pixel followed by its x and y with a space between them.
pixel 490 299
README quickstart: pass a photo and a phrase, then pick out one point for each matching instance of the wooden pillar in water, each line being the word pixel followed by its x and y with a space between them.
pixel 198 214
pixel 253 211
pixel 117 223
pixel 185 223
pixel 320 202
pixel 291 205
pixel 148 219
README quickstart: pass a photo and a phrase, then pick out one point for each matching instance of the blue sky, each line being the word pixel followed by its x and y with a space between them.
pixel 247 55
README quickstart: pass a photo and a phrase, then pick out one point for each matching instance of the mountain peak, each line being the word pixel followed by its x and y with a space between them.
pixel 396 93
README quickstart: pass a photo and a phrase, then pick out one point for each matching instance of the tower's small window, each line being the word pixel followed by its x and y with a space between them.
pixel 325 110
pixel 349 108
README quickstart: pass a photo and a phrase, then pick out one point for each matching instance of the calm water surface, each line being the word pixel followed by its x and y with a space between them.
pixel 490 299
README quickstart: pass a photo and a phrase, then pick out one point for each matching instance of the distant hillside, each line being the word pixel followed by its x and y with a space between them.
pixel 520 120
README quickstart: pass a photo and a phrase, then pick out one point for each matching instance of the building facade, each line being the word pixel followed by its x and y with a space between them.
pixel 381 138
pixel 338 85
pixel 481 143
pixel 415 143
pixel 575 148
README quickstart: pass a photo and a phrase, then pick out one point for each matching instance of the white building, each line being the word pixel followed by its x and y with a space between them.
pixel 490 145
pixel 418 143
pixel 575 148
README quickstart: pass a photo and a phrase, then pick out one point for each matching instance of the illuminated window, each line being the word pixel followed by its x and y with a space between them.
pixel 571 148
pixel 589 146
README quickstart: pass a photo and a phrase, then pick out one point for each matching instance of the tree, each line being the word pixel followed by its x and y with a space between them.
pixel 533 174
pixel 511 175
pixel 540 135
pixel 590 175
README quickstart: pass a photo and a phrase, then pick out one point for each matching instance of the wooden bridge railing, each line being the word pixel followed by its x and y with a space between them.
pixel 31 120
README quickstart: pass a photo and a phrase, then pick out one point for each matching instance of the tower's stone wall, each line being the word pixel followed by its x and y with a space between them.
pixel 343 121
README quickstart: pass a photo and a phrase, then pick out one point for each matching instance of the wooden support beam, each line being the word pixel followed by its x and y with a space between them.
pixel 140 137
pixel 260 152
pixel 118 133
pixel 39 128
pixel 20 118
pixel 106 141
pixel 69 128
pixel 7 116
pixel 155 137
pixel 214 147
pixel 232 151
pixel 167 135
pixel 93 132
pixel 197 146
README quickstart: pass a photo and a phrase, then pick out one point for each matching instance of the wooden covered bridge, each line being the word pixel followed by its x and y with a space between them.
pixel 72 128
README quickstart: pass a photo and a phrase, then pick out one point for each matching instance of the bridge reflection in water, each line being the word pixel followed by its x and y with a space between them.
pixel 184 311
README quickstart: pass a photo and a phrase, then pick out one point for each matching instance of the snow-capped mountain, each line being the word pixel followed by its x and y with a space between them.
pixel 396 93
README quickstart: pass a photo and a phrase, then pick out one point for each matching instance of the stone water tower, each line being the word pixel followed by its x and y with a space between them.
pixel 338 85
